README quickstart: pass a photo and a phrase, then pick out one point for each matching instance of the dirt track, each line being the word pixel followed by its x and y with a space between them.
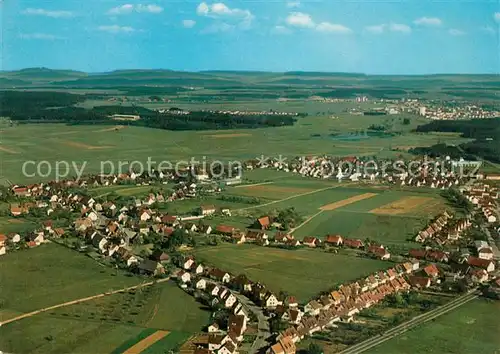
pixel 347 201
pixel 73 302
pixel 146 342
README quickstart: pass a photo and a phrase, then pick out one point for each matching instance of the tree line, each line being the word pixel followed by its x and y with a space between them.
pixel 42 107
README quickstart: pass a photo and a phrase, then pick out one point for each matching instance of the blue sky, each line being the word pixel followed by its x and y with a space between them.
pixel 374 37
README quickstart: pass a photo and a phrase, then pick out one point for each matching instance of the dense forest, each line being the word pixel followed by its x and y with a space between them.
pixel 40 107
pixel 486 133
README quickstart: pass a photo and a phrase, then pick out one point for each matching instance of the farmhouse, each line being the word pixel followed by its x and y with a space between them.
pixel 353 243
pixel 206 210
pixel 431 271
pixel 379 252
pixel 486 264
pixel 225 230
pixel 311 241
pixel 485 253
pixel 263 223
pixel 334 240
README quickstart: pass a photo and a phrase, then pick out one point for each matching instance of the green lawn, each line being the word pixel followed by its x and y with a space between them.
pixel 51 274
pixel 470 329
pixel 303 272
pixel 45 334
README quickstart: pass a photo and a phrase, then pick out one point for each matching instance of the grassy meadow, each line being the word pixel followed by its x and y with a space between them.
pixel 472 328
pixel 89 145
pixel 51 274
pixel 303 272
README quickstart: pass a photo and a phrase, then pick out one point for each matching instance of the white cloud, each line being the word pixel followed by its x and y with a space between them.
pixel 496 16
pixel 48 13
pixel 116 29
pixel 488 29
pixel 299 19
pixel 41 36
pixel 139 8
pixel 281 30
pixel 399 27
pixel 376 29
pixel 456 32
pixel 232 17
pixel 220 10
pixel 202 9
pixel 428 21
pixel 328 27
pixel 293 4
pixel 188 23
pixel 219 27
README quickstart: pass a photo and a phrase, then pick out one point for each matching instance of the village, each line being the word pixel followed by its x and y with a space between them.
pixel 113 232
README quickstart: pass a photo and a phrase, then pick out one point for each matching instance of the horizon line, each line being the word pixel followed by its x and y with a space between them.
pixel 249 71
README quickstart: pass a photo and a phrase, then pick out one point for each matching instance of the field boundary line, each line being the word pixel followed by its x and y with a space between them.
pixel 145 343
pixel 305 221
pixel 288 198
pixel 253 185
pixel 78 301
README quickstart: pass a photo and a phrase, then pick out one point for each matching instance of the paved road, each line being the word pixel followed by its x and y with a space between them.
pixel 264 331
pixel 416 321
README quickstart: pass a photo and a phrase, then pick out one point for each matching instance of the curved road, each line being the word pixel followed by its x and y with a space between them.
pixel 402 328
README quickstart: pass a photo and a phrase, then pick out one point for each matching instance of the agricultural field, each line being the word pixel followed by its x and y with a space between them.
pixel 53 274
pixel 303 272
pixel 56 275
pixel 388 216
pixel 87 145
pixel 45 333
pixel 472 328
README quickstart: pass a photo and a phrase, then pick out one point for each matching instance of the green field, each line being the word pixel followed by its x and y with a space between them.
pixel 303 272
pixel 45 333
pixel 90 145
pixel 472 328
pixel 354 220
pixel 52 274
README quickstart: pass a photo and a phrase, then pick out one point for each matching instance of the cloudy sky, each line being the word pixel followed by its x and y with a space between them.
pixel 370 36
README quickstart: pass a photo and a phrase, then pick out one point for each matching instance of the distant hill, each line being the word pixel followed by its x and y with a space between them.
pixel 44 77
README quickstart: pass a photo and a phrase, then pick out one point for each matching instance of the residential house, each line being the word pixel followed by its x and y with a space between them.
pixel 160 256
pixel 379 252
pixel 485 253
pixel 283 346
pixel 479 275
pixel 3 240
pixel 225 230
pixel 201 284
pixel 334 240
pixel 14 237
pixel 311 241
pixel 271 301
pixel 431 271
pixel 183 276
pixel 419 282
pixel 263 223
pixel 313 308
pixel 238 238
pixel 352 243
pixel 150 267
pixel 206 210
pixel 213 328
pixel 486 264
pixel 229 300
pixel 188 263
pixel 219 275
